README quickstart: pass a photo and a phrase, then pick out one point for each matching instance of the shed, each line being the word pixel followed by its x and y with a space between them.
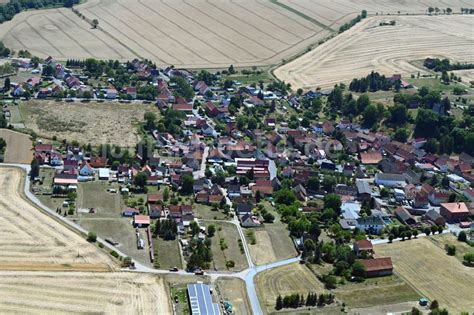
pixel 141 221
pixel 404 216
pixel 378 266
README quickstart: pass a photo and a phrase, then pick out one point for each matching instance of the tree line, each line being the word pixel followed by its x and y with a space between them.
pixel 440 65
pixel 373 83
pixel 10 9
pixel 353 22
pixel 296 300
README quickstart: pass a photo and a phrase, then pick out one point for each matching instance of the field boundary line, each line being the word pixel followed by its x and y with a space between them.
pixel 301 14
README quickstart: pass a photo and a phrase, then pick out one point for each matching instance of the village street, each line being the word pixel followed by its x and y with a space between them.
pixel 246 275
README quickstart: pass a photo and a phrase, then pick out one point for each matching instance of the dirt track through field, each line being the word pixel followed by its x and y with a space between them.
pixel 387 49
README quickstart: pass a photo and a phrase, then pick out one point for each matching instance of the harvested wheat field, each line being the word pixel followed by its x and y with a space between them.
pixel 60 33
pixel 386 49
pixel 432 272
pixel 467 76
pixel 285 280
pixel 79 292
pixel 31 240
pixel 19 147
pixel 334 13
pixel 94 123
pixel 184 33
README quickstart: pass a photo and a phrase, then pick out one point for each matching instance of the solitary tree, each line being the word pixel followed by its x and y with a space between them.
pixel 95 23
pixel 140 179
pixel 91 237
pixel 211 230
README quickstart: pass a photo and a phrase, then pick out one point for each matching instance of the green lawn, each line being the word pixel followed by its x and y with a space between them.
pixel 251 78
pixel 206 212
pixel 94 195
pixel 122 231
pixel 376 291
pixel 225 247
pixel 179 294
pixel 434 84
pixel 167 253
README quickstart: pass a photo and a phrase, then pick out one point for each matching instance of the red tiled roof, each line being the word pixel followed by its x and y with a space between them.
pixel 377 264
pixel 364 245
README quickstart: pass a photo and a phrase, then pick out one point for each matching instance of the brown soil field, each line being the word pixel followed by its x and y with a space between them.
pixel 34 240
pixel 433 273
pixel 19 147
pixel 386 49
pixel 80 292
pixel 289 279
pixel 94 123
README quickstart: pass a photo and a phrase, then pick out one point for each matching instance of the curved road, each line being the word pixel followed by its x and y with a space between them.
pixel 246 275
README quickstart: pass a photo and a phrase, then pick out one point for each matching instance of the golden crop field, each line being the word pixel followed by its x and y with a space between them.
pixel 33 240
pixel 26 292
pixel 387 49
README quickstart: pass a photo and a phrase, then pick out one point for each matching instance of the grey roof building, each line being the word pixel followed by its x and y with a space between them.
pixel 200 300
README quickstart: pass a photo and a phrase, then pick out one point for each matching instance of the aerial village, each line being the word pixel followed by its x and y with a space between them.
pixel 216 151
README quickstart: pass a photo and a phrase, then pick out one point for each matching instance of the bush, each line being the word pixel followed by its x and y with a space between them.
pixel 91 237
pixel 101 245
pixel 450 249
pixel 469 258
pixel 127 261
pixel 230 264
pixel 462 236
pixel 114 254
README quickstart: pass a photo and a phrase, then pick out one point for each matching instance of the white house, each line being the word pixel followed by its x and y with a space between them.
pixel 372 225
pixel 86 170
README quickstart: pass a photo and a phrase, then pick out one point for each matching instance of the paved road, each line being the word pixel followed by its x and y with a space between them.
pixel 201 172
pixel 246 275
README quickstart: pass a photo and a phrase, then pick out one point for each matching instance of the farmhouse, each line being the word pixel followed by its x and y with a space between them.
pixel 454 211
pixel 378 266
